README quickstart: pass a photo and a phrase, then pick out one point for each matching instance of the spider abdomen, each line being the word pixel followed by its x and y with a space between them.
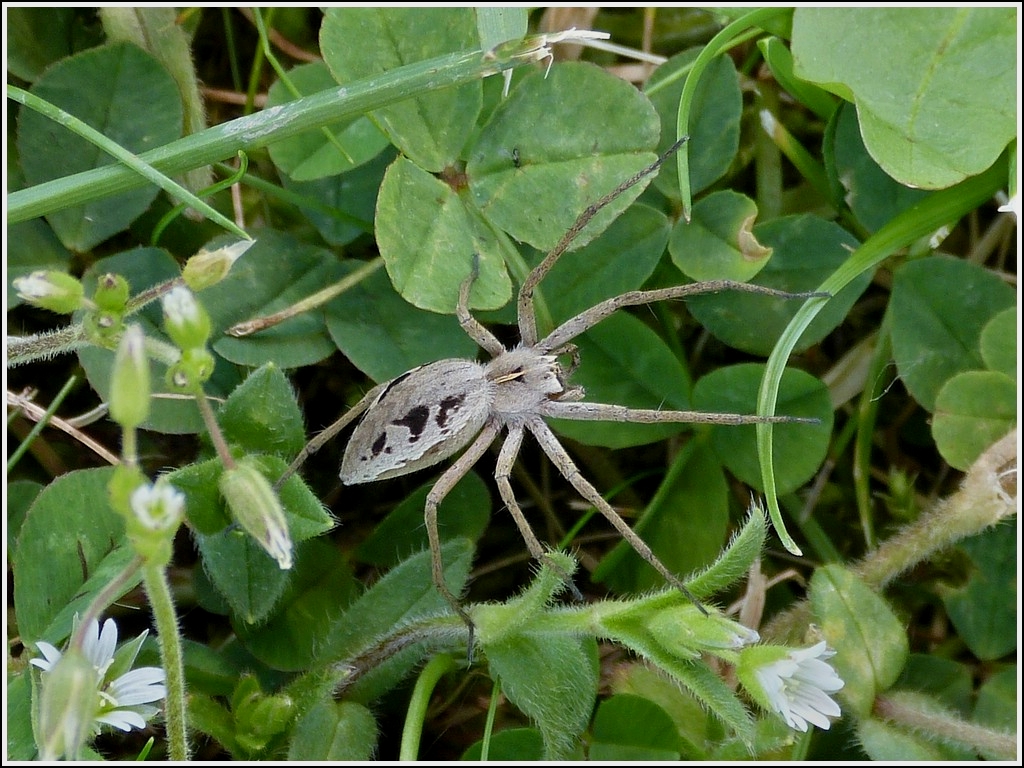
pixel 420 418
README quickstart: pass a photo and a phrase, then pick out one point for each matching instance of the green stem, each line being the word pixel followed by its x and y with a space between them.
pixel 435 669
pixel 133 162
pixel 112 590
pixel 41 424
pixel 213 428
pixel 258 130
pixel 159 593
pixel 908 712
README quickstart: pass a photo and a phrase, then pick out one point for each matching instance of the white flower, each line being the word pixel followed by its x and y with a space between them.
pixel 180 305
pixel 797 685
pixel 122 697
pixel 158 507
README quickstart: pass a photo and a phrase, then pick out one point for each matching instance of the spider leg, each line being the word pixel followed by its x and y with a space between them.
pixel 328 434
pixel 527 319
pixel 549 443
pixel 448 479
pixel 470 324
pixel 503 468
pixel 588 318
pixel 560 409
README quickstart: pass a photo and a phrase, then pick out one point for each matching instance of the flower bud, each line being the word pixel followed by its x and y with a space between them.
pixel 194 367
pixel 686 631
pixel 207 268
pixel 111 293
pixel 129 382
pixel 254 505
pixel 68 706
pixel 185 320
pixel 157 511
pixel 52 290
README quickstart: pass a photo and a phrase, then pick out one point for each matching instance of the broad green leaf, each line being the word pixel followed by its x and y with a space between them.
pixel 779 59
pixel 311 155
pixel 628 728
pixel 169 412
pixel 273 274
pixel 715 114
pixel 936 335
pixel 429 128
pixel 872 194
pixel 996 704
pixel 464 513
pixel 984 610
pixel 999 342
pixel 19 741
pixel 939 105
pixel 342 207
pixel 497 24
pixel 798 449
pixel 334 730
pixel 261 414
pixel 138 106
pixel 805 251
pixel 553 680
pixel 430 239
pixel 37 37
pixel 243 573
pixel 688 715
pixel 384 335
pixel 32 246
pixel 69 533
pixel 869 639
pixel 619 260
pixel 204 506
pixel 624 362
pixel 685 525
pixel 321 587
pixel 973 410
pixel 512 745
pixel 19 497
pixel 718 242
pixel 947 680
pixel 532 178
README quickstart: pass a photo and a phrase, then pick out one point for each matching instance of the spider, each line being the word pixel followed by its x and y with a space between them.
pixel 428 414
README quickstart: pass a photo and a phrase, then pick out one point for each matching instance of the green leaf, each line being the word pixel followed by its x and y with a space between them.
pixel 996 705
pixel 429 240
pixel 624 362
pixel 999 342
pixel 170 413
pixel 947 680
pixel 798 449
pixel 496 25
pixel 261 414
pixel 273 274
pixel 553 680
pixel 464 513
pixel 311 155
pixel 321 587
pixel 70 533
pixel 934 338
pixel 805 251
pixel 984 610
pixel 37 37
pixel 20 495
pixel 972 411
pixel 718 242
pixel 559 173
pixel 685 525
pixel 872 194
pixel 204 507
pixel 513 745
pixel 429 128
pixel 939 106
pixel 628 728
pixel 138 107
pixel 384 335
pixel 621 259
pixel 887 743
pixel 869 639
pixel 715 114
pixel 243 573
pixel 334 730
pixel 780 60
pixel 19 740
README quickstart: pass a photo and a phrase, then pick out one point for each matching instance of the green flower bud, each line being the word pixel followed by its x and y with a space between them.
pixel 207 268
pixel 254 505
pixel 185 320
pixel 111 293
pixel 157 511
pixel 687 632
pixel 52 290
pixel 103 327
pixel 68 706
pixel 129 382
pixel 194 367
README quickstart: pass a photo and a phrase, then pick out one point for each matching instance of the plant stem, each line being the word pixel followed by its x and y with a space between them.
pixel 417 712
pixel 110 592
pixel 904 710
pixel 159 592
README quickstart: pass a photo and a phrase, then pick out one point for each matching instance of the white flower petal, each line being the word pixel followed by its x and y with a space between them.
pixel 140 686
pixel 122 719
pixel 797 687
pixel 51 654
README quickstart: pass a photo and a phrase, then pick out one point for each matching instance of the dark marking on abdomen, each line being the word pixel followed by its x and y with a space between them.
pixel 415 421
pixel 447 406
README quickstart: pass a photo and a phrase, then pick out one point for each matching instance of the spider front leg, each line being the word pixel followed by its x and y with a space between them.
pixel 502 470
pixel 448 480
pixel 550 445
pixel 470 324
